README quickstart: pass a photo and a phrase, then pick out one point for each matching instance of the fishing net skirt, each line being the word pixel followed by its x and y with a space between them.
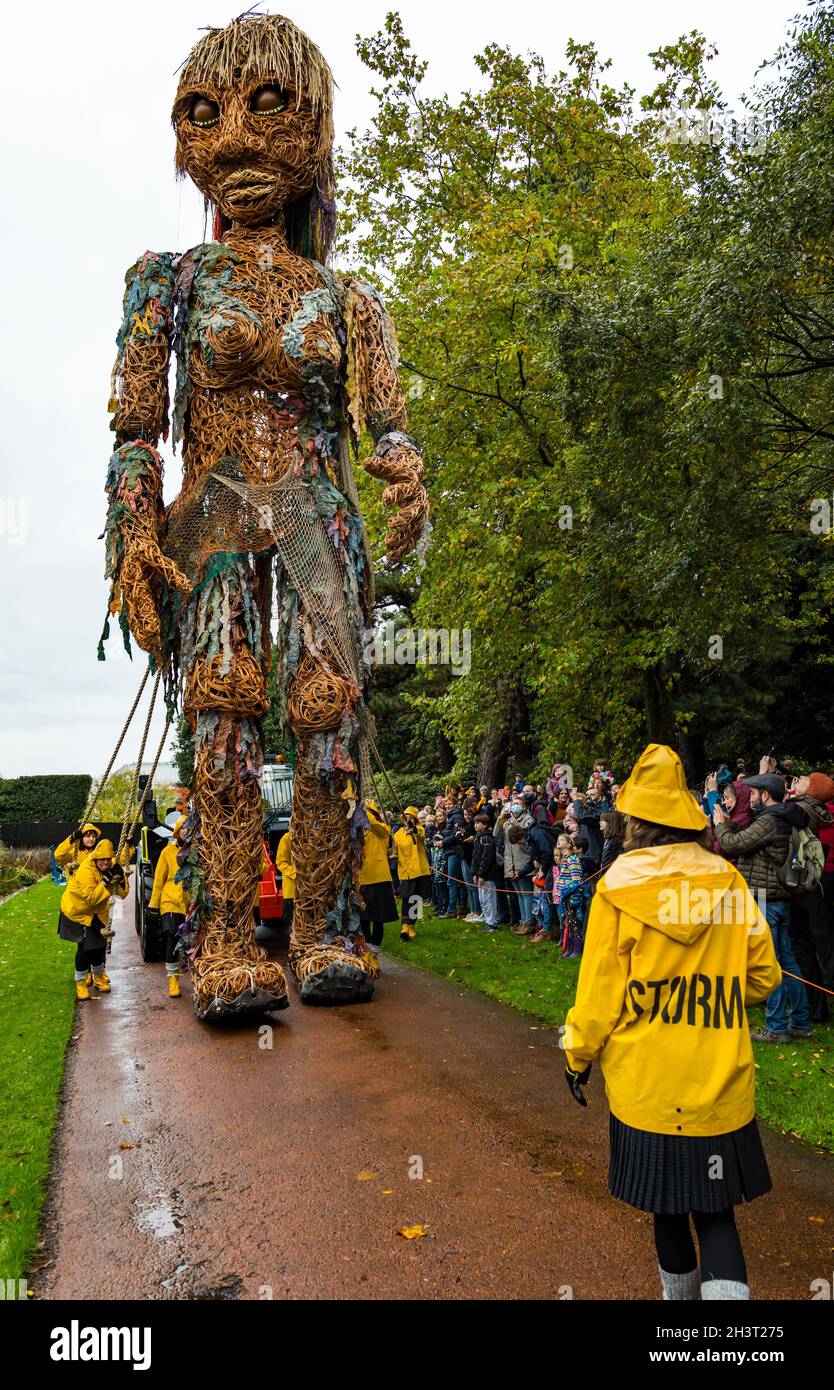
pixel 670 1174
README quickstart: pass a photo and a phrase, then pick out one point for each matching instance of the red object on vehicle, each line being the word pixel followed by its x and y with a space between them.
pixel 272 898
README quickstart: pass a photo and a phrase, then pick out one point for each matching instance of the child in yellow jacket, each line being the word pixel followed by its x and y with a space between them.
pixel 170 899
pixel 75 848
pixel 85 911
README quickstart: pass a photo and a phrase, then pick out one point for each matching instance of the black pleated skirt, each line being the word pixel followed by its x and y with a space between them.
pixel 380 903
pixel 671 1174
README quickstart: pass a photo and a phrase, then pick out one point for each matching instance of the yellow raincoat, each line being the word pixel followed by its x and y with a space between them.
pixel 675 948
pixel 167 895
pixel 375 865
pixel 412 861
pixel 87 895
pixel 69 854
pixel 285 866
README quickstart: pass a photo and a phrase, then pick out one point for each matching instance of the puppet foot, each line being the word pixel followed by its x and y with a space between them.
pixel 332 975
pixel 231 986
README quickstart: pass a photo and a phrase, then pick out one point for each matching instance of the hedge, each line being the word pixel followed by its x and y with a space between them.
pixel 51 797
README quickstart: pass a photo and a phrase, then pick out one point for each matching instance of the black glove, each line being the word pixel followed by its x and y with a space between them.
pixel 576 1080
pixel 75 837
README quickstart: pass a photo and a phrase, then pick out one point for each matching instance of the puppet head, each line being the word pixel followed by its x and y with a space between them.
pixel 254 121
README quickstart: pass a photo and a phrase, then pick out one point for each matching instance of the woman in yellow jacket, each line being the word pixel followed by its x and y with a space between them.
pixel 675 949
pixel 286 868
pixel 75 848
pixel 85 909
pixel 171 901
pixel 412 869
pixel 375 883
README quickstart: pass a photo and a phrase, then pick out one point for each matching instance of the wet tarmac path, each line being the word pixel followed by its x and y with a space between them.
pixel 199 1162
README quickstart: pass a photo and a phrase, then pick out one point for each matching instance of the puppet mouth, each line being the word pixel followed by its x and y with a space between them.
pixel 247 183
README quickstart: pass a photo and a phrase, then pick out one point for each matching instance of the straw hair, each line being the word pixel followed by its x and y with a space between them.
pixel 265 47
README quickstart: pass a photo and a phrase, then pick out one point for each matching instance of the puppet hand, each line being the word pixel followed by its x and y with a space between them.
pixel 576 1080
pixel 402 469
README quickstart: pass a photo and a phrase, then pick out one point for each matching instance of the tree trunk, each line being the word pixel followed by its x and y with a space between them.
pixel 660 712
pixel 508 738
pixel 694 755
pixel 492 761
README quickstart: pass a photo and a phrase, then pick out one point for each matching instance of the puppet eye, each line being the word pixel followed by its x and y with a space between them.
pixel 203 111
pixel 268 100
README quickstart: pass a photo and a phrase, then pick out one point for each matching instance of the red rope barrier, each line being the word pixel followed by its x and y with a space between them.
pixel 518 891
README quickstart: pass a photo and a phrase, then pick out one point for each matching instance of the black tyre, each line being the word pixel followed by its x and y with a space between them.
pixel 151 935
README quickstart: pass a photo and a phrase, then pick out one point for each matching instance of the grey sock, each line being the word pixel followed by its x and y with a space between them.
pixel 679 1288
pixel 725 1289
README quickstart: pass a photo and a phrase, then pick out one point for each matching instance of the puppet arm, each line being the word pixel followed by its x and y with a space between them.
pixel 376 403
pixel 136 565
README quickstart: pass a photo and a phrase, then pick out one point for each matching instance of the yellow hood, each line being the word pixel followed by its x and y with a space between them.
pixel 675 951
pixel 679 890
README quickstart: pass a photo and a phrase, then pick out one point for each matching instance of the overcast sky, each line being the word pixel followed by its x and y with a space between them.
pixel 89 185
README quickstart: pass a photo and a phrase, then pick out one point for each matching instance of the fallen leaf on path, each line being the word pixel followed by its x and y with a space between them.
pixel 412 1232
pixel 387 1191
pixel 125 1120
pixel 817 1220
pixel 366 1174
pixel 128 1146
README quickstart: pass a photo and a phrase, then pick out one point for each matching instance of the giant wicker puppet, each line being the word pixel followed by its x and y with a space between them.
pixel 282 367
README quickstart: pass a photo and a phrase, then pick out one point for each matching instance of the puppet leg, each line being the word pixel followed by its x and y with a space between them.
pixel 330 963
pixel 226 696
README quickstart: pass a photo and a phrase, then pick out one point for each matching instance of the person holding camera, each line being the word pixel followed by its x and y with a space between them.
pixel 84 915
pixel 761 850
pixel 453 845
pixel 75 848
pixel 439 880
pixel 170 900
pixel 413 870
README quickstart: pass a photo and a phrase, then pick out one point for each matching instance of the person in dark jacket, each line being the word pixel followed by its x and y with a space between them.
pixel 612 826
pixel 588 810
pixel 812 927
pixel 486 871
pixel 541 842
pixel 760 852
pixel 452 844
pixel 536 804
pixel 466 844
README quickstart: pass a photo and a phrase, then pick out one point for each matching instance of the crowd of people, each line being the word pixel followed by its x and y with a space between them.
pixel 524 856
pixel 527 857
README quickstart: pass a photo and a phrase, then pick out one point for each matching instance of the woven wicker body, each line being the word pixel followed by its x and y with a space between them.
pixel 281 366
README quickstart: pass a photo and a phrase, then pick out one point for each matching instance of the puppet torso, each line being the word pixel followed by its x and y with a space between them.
pixel 260 345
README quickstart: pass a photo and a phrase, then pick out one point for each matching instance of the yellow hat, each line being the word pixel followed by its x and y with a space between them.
pixel 178 825
pixel 103 850
pixel 411 811
pixel 657 791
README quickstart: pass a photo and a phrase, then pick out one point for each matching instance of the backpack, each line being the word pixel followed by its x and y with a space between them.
pixel 804 861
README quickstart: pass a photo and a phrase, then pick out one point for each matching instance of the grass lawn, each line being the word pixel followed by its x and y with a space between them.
pixel 795 1084
pixel 36 1007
